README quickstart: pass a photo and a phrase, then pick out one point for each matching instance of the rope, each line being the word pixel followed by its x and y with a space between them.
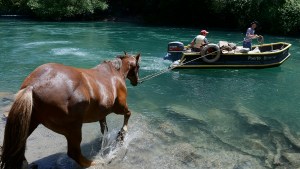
pixel 260 39
pixel 170 68
pixel 173 67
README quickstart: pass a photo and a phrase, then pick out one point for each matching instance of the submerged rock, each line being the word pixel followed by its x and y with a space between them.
pixel 243 165
pixel 169 129
pixel 256 147
pixel 185 154
pixel 287 133
pixel 277 156
pixel 293 158
pixel 187 112
pixel 252 119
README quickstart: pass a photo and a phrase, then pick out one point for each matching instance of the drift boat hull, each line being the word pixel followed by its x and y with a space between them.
pixel 269 55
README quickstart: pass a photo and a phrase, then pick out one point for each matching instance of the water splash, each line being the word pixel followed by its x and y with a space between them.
pixel 40 43
pixel 68 51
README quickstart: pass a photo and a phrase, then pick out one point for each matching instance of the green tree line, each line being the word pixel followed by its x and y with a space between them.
pixel 54 9
pixel 274 16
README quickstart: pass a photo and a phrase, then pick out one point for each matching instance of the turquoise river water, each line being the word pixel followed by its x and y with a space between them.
pixel 216 118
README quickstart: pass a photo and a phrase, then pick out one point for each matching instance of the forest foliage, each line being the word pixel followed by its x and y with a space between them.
pixel 276 16
pixel 54 9
pixel 58 9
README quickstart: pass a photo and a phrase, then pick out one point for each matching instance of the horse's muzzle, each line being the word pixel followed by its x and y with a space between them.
pixel 134 83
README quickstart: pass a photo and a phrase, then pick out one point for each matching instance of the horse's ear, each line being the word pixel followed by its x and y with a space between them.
pixel 125 53
pixel 137 57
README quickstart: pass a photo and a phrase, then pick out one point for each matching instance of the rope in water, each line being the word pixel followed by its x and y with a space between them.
pixel 151 76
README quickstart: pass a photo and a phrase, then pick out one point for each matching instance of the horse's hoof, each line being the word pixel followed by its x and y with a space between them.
pixel 93 163
pixel 85 163
pixel 25 165
pixel 33 166
pixel 121 136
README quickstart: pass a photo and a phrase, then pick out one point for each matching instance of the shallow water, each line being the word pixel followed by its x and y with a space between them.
pixel 217 118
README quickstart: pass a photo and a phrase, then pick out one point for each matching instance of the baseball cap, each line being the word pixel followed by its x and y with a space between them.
pixel 204 31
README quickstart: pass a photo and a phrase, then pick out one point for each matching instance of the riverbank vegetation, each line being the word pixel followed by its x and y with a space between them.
pixel 277 16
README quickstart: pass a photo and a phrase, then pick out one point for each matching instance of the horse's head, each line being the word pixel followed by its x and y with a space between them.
pixel 133 67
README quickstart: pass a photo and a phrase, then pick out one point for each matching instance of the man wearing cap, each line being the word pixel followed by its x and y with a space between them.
pixel 199 41
pixel 247 43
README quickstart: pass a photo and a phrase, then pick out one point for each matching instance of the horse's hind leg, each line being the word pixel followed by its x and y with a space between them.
pixel 74 139
pixel 33 125
pixel 103 125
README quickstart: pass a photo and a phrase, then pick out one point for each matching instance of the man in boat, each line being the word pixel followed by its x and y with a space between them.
pixel 247 43
pixel 199 41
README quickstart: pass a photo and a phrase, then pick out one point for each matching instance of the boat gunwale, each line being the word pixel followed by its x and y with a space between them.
pixel 235 66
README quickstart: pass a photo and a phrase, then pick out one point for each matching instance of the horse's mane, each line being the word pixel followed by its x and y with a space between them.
pixel 116 63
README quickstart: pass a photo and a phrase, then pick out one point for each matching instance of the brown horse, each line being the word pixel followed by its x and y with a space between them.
pixel 62 98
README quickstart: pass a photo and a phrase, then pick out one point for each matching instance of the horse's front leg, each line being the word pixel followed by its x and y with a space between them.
pixel 124 128
pixel 103 125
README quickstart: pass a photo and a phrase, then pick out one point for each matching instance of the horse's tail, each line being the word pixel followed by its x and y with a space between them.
pixel 16 130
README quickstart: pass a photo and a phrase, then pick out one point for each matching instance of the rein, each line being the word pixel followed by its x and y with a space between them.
pixel 151 76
